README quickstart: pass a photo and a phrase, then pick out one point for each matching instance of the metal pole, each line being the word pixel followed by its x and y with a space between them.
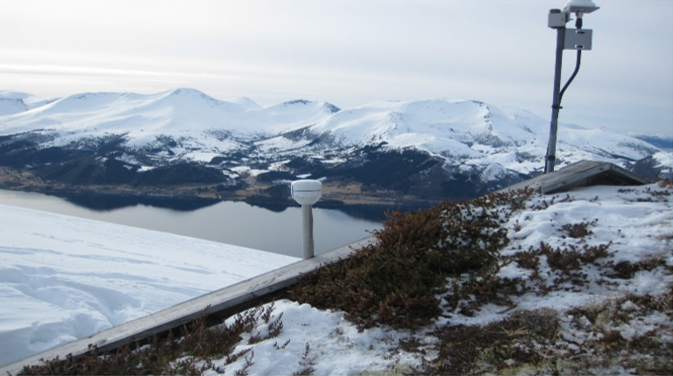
pixel 556 105
pixel 307 219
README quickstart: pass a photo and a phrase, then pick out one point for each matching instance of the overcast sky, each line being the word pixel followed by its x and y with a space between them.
pixel 348 53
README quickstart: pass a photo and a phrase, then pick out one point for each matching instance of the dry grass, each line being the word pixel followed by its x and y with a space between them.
pixel 191 350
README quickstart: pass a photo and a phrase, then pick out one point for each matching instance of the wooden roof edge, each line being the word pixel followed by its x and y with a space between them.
pixel 635 177
pixel 576 175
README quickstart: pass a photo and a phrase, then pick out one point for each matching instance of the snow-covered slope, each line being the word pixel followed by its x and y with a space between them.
pixel 11 106
pixel 12 102
pixel 57 282
pixel 635 221
pixel 64 278
pixel 457 129
pixel 470 140
pixel 181 114
pixel 471 132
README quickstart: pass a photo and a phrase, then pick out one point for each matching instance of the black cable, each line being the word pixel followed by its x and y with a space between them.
pixel 578 25
pixel 577 69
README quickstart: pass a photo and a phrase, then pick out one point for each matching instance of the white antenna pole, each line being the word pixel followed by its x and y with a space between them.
pixel 307 193
pixel 307 221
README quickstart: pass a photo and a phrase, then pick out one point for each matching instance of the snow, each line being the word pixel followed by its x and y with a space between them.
pixel 64 278
pixel 12 102
pixel 463 132
pixel 637 228
pixel 11 106
pixel 201 157
pixel 335 346
pixel 477 134
pixel 187 115
pixel 248 170
pixel 280 143
pixel 665 160
pixel 166 113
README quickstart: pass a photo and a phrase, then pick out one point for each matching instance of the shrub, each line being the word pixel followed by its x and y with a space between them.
pixel 497 346
pixel 191 352
pixel 395 281
pixel 579 230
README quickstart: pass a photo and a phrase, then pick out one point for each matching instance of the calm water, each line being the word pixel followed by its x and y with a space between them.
pixel 226 222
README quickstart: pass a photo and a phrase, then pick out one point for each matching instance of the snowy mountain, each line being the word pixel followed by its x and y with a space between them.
pixel 434 148
pixel 187 116
pixel 12 102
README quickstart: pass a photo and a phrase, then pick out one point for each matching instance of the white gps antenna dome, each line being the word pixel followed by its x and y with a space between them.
pixel 306 192
pixel 580 6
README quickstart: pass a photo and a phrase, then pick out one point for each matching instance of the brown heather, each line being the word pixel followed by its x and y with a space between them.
pixel 396 280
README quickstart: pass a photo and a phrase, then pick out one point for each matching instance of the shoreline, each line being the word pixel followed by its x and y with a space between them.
pixel 346 197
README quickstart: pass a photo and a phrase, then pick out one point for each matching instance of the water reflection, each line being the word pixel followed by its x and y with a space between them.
pixel 235 223
pixel 112 202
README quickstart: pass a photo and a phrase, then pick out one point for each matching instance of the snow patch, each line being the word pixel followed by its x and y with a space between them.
pixel 64 278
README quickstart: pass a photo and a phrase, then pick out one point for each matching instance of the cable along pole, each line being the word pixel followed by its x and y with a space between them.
pixel 574 39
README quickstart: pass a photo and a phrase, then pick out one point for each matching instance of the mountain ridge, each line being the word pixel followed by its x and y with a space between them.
pixel 432 148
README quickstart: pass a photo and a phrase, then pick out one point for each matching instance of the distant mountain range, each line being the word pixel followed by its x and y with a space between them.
pixel 433 149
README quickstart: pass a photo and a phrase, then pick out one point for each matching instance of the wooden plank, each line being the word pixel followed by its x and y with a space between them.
pixel 227 299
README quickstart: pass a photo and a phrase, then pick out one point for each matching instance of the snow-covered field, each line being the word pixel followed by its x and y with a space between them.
pixel 62 275
pixel 64 278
